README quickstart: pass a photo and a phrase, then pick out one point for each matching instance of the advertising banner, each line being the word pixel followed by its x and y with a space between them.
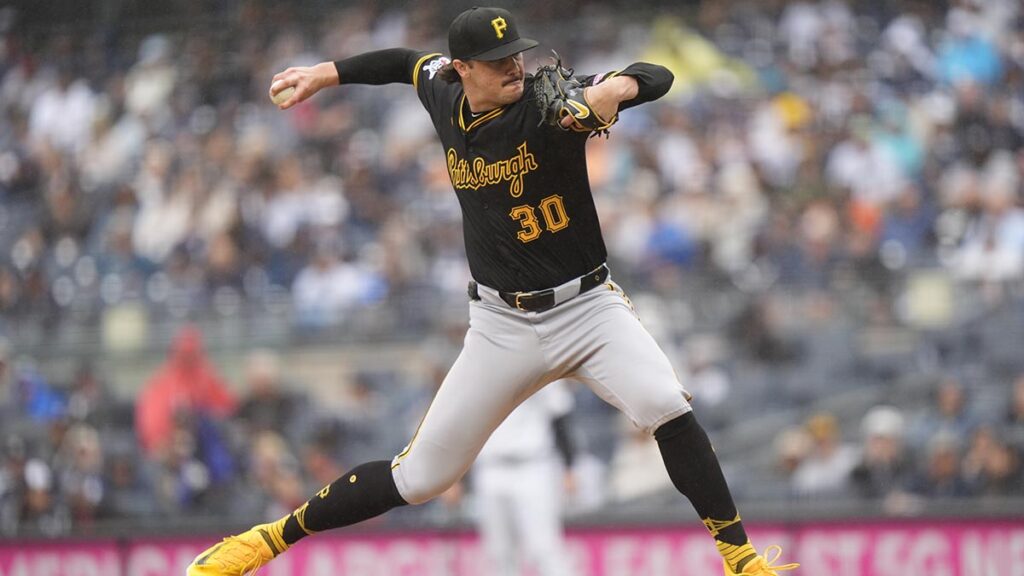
pixel 956 548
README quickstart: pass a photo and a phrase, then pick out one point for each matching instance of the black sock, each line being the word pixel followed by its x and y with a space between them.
pixel 694 469
pixel 366 491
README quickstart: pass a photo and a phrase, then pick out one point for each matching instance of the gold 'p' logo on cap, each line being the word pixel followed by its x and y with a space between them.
pixel 499 27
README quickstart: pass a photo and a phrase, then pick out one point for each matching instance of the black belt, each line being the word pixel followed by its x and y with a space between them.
pixel 541 300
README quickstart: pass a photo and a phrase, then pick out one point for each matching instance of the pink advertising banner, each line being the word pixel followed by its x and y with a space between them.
pixel 956 548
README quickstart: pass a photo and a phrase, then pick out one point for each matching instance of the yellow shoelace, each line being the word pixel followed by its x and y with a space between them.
pixel 775 551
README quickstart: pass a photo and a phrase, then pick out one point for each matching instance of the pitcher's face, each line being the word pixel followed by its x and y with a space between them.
pixel 494 83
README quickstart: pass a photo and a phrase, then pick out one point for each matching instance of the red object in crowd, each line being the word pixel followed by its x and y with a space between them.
pixel 186 382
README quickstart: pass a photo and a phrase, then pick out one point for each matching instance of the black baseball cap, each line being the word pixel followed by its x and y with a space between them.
pixel 485 34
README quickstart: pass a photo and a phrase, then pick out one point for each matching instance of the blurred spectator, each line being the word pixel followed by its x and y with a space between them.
pixel 269 404
pixel 186 383
pixel 329 288
pixel 993 246
pixel 150 82
pixel 991 466
pixel 864 169
pixel 825 471
pixel 62 115
pixel 37 398
pixel 670 244
pixel 8 399
pixel 972 129
pixel 709 384
pixel 1015 414
pixel 129 492
pixel 758 330
pixel 28 499
pixel 968 56
pixel 907 227
pixel 167 196
pixel 949 414
pixel 362 406
pixel 12 487
pixel 196 470
pixel 89 399
pixel 940 474
pixel 41 509
pixel 790 447
pixel 80 470
pixel 320 460
pixel 885 467
pixel 274 470
pixel 183 484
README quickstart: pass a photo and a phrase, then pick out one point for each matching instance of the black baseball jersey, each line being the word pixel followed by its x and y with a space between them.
pixel 529 220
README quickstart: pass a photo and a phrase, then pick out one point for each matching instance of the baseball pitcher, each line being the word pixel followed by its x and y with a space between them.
pixel 542 304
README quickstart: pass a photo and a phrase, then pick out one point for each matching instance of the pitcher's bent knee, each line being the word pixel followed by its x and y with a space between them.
pixel 659 409
pixel 417 487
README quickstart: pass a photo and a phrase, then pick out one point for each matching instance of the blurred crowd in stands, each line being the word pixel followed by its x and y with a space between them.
pixel 823 176
pixel 191 444
pixel 952 448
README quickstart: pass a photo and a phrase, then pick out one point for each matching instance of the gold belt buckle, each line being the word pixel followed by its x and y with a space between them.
pixel 519 306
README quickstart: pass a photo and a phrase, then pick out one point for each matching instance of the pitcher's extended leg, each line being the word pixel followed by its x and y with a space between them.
pixel 494 372
pixel 647 390
pixel 696 473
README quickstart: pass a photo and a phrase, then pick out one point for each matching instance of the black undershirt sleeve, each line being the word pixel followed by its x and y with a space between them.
pixel 377 67
pixel 564 441
pixel 652 80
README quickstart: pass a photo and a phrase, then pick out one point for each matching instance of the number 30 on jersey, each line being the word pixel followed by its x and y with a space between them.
pixel 552 210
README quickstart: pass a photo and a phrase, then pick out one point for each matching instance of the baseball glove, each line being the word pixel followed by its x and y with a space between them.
pixel 558 94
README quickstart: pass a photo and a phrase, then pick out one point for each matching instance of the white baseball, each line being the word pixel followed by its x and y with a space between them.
pixel 283 96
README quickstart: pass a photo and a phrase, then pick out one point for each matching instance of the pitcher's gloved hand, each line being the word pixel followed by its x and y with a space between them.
pixel 559 96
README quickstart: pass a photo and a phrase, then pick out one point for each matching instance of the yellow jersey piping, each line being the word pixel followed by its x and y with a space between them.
pixel 416 69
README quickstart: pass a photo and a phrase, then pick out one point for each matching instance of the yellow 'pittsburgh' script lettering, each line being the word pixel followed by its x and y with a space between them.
pixel 466 176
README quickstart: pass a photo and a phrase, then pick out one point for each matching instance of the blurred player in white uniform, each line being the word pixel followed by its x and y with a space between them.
pixel 519 481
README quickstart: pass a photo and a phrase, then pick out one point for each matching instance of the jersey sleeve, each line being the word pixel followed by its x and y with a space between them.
pixel 426 78
pixel 400 65
pixel 377 67
pixel 653 82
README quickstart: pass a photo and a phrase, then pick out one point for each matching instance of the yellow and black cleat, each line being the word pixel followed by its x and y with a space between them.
pixel 241 555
